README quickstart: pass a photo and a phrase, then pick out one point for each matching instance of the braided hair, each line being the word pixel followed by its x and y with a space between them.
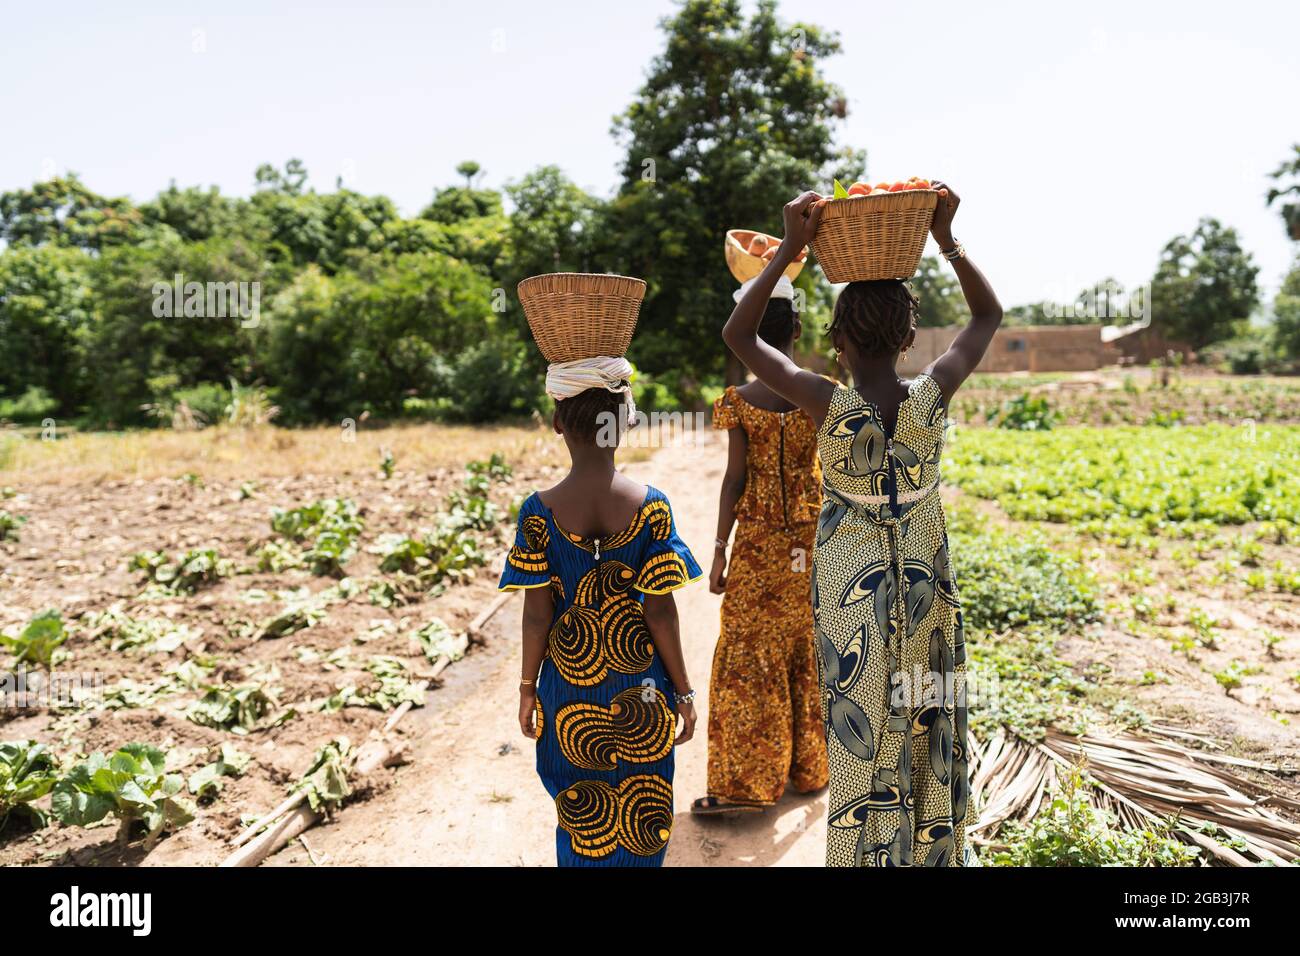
pixel 777 325
pixel 876 316
pixel 584 415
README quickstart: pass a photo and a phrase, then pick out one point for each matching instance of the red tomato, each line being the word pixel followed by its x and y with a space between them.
pixel 897 187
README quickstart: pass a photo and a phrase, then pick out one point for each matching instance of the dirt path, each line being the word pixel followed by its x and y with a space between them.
pixel 470 796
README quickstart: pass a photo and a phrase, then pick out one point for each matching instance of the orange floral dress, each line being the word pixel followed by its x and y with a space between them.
pixel 765 725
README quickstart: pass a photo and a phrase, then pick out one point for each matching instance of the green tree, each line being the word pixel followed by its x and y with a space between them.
pixel 1204 287
pixel 1286 314
pixel 458 203
pixel 196 214
pixel 62 210
pixel 1288 176
pixel 45 311
pixel 290 182
pixel 733 120
pixel 469 169
pixel 471 225
pixel 553 226
pixel 139 356
pixel 373 335
pixel 321 228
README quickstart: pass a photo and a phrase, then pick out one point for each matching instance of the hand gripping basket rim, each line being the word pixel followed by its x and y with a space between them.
pixel 579 315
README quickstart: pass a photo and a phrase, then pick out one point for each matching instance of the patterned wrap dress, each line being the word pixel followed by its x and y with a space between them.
pixel 890 643
pixel 605 716
pixel 765 725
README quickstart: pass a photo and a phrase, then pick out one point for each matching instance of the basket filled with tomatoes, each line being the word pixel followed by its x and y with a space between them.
pixel 875 232
pixel 749 252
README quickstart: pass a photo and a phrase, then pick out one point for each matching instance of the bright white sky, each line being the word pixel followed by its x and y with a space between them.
pixel 1081 139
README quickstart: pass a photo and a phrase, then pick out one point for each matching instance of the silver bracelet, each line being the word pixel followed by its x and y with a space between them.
pixel 720 544
pixel 956 252
pixel 686 698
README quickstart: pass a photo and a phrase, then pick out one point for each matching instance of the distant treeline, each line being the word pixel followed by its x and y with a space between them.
pixel 332 305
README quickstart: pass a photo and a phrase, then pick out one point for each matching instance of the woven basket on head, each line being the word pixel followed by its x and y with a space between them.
pixel 874 237
pixel 744 266
pixel 577 315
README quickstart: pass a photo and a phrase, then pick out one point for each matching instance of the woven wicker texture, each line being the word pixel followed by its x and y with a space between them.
pixel 577 315
pixel 874 237
pixel 744 266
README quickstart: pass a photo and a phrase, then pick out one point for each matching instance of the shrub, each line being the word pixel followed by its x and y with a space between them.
pixel 490 380
pixel 370 336
pixel 1025 413
pixel 208 400
pixel 1070 831
pixel 1008 580
pixel 33 405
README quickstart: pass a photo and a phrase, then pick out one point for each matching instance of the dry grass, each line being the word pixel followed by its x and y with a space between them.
pixel 231 453
pixel 263 452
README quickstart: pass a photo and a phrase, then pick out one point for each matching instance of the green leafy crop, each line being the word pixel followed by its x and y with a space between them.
pixel 28 771
pixel 237 709
pixel 9 525
pixel 330 527
pixel 39 641
pixel 1070 831
pixel 131 785
pixel 185 574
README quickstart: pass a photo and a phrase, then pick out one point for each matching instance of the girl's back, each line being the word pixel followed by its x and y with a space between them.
pixel 595 507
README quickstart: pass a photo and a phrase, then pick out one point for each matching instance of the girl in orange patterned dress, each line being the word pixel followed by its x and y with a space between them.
pixel 765 725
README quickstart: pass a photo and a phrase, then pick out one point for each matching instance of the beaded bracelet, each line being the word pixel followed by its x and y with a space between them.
pixel 956 252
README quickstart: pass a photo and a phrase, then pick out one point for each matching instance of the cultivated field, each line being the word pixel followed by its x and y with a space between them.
pixel 262 590
pixel 243 598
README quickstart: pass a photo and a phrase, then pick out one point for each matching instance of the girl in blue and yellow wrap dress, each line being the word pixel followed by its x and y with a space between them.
pixel 604 679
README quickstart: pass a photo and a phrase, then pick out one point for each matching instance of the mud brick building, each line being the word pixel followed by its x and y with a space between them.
pixel 1049 348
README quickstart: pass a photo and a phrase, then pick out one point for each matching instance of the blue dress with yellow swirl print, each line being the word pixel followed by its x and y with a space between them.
pixel 605 717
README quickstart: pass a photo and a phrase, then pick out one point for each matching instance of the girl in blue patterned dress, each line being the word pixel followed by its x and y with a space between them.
pixel 604 681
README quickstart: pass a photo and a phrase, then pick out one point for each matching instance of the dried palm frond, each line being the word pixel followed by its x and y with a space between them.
pixel 1142 781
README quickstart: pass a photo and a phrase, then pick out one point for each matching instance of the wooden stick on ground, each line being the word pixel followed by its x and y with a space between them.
pixel 373 755
pixel 266 819
pixel 476 626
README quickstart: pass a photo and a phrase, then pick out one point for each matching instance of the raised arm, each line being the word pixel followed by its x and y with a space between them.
pixel 955 365
pixel 777 370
